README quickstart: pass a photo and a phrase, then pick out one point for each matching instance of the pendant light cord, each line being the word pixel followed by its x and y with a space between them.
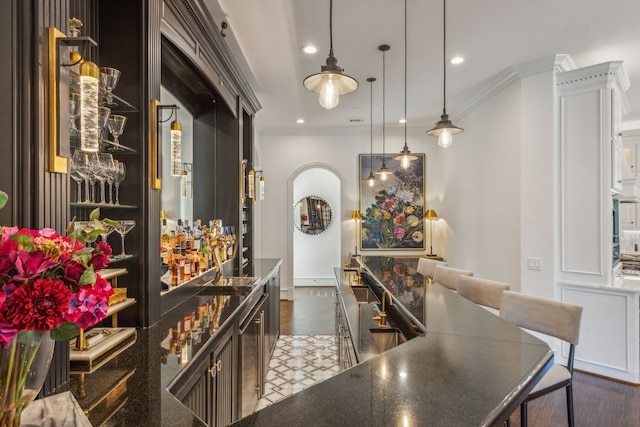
pixel 383 102
pixel 331 25
pixel 405 73
pixel 444 56
pixel 371 125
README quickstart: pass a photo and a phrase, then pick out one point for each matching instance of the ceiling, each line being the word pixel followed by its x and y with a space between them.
pixel 492 36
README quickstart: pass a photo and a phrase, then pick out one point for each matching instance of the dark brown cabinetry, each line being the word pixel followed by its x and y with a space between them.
pixel 208 391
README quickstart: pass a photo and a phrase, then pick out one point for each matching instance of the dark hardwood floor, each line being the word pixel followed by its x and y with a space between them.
pixel 598 402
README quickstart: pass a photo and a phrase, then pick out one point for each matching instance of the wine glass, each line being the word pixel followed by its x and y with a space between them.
pixel 106 164
pixel 112 173
pixel 119 177
pixel 106 230
pixel 116 126
pixel 124 226
pixel 103 116
pixel 74 173
pixel 81 165
pixel 94 171
pixel 109 78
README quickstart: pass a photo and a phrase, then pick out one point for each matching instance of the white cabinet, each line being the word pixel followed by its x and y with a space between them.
pixel 609 331
pixel 590 103
pixel 628 215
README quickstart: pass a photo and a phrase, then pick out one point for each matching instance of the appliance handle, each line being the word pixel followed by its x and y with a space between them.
pixel 243 327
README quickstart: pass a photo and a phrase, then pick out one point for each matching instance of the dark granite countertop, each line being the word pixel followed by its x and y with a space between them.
pixel 131 390
pixel 470 368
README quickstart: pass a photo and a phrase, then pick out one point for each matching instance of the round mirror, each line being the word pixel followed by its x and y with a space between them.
pixel 312 215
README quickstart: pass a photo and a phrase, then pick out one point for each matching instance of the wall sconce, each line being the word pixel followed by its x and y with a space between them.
pixel 431 215
pixel 251 185
pixel 176 140
pixel 260 184
pixel 186 177
pixel 156 142
pixel 60 46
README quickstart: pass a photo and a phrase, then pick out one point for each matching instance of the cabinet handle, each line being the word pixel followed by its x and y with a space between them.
pixel 213 370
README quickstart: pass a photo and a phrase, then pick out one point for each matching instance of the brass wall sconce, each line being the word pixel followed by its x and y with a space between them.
pixel 60 50
pixel 156 142
pixel 255 191
pixel 186 178
pixel 357 216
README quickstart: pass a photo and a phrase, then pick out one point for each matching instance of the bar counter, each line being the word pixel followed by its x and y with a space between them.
pixel 130 389
pixel 467 368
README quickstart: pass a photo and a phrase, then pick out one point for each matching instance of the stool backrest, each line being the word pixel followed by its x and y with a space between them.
pixel 448 276
pixel 482 291
pixel 427 267
pixel 555 318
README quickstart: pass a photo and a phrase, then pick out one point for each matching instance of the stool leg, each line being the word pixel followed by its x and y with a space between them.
pixel 570 404
pixel 523 414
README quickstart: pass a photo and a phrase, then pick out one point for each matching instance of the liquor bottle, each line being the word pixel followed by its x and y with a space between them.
pixel 186 262
pixel 175 266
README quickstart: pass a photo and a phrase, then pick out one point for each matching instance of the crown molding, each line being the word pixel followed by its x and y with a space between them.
pixel 558 63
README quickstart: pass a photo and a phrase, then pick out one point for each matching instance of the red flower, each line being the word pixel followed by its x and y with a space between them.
pixel 40 305
pixel 72 272
pixel 399 220
pixel 103 248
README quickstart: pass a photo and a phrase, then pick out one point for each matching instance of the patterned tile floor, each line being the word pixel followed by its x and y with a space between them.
pixel 298 361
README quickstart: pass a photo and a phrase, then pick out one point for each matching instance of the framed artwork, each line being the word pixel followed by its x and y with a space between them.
pixel 392 210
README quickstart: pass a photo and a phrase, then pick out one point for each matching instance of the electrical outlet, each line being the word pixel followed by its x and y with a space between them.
pixel 534 263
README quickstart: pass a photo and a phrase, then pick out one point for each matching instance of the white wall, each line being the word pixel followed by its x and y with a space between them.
pixel 493 189
pixel 315 256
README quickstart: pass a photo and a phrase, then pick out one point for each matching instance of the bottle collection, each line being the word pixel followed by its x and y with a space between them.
pixel 191 251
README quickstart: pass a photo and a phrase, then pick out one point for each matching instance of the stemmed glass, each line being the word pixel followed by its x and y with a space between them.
pixel 106 230
pixel 112 174
pixel 109 78
pixel 119 177
pixel 124 226
pixel 80 163
pixel 94 171
pixel 103 116
pixel 116 126
pixel 74 173
pixel 106 164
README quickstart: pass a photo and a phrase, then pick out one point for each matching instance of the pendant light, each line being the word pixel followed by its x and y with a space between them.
pixel 330 83
pixel 384 171
pixel 405 157
pixel 444 129
pixel 372 179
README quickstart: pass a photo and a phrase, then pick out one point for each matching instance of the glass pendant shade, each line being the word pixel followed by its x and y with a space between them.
pixel 330 83
pixel 384 171
pixel 89 88
pixel 445 130
pixel 405 157
pixel 176 148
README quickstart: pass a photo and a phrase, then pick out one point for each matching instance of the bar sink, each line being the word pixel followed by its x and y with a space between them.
pixel 387 338
pixel 364 295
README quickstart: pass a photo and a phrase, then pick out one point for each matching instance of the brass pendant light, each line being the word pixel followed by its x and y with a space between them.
pixel 444 129
pixel 384 171
pixel 331 82
pixel 405 157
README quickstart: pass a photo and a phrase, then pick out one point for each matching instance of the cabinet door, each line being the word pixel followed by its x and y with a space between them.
pixel 627 215
pixel 199 394
pixel 223 382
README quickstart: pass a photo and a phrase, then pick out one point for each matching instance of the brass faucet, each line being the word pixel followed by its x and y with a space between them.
pixel 382 319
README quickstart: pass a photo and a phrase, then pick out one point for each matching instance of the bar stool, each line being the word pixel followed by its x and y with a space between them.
pixel 554 318
pixel 448 276
pixel 484 292
pixel 427 267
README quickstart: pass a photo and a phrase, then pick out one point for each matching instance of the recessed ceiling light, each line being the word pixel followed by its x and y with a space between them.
pixel 300 121
pixel 457 60
pixel 309 49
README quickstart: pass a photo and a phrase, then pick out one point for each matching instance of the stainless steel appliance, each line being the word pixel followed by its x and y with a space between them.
pixel 253 349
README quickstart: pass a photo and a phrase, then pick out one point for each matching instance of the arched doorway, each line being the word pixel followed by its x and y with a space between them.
pixel 314 256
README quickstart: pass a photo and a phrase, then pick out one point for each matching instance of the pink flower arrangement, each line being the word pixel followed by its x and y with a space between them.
pixel 50 282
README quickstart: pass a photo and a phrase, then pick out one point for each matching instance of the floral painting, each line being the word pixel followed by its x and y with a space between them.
pixel 392 210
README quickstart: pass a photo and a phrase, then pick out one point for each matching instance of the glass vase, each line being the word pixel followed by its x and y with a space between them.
pixel 24 364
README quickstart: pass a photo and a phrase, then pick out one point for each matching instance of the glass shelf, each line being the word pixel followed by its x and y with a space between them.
pixel 101 205
pixel 106 146
pixel 118 258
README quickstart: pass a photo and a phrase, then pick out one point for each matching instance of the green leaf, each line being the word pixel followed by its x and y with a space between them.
pixel 110 222
pixel 88 277
pixel 3 199
pixel 24 240
pixel 64 332
pixel 95 214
